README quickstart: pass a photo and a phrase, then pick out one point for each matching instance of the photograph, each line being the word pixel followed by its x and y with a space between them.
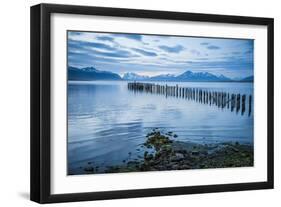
pixel 151 102
pixel 132 103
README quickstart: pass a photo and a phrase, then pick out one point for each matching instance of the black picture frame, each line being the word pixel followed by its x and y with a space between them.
pixel 41 98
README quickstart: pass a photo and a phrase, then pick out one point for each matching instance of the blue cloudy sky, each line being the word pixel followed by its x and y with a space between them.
pixel 153 54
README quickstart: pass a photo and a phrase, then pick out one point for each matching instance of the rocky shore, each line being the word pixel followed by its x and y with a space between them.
pixel 162 151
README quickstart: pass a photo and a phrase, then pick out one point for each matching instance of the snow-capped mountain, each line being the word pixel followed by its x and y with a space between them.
pixel 186 76
pixel 201 76
pixel 91 73
pixel 164 77
pixel 134 76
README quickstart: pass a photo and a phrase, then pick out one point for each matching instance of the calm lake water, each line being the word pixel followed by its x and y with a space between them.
pixel 107 123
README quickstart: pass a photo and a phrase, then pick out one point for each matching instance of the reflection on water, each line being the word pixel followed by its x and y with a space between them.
pixel 106 121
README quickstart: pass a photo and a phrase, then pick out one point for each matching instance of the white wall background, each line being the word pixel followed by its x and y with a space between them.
pixel 14 102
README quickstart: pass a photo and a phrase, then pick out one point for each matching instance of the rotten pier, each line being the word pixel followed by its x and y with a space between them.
pixel 224 100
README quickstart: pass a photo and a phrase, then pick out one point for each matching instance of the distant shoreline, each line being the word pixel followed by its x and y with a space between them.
pixel 91 73
pixel 162 81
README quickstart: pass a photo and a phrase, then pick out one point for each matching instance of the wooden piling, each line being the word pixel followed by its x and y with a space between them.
pixel 227 100
pixel 233 98
pixel 238 103
pixel 220 99
pixel 243 104
pixel 250 105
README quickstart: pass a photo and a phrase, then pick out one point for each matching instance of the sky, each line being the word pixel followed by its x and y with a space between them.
pixel 160 54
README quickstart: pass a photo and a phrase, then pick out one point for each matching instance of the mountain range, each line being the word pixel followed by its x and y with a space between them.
pixel 248 79
pixel 134 76
pixel 91 73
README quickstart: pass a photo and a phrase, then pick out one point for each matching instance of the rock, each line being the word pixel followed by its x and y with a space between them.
pixel 145 153
pixel 161 167
pixel 182 151
pixel 132 163
pixel 177 157
pixel 148 157
pixel 234 149
pixel 89 169
pixel 156 162
pixel 202 165
pixel 168 167
pixel 205 153
pixel 194 152
pixel 175 167
pixel 185 167
pixel 169 133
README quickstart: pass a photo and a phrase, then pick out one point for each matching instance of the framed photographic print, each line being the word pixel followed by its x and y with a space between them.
pixel 132 103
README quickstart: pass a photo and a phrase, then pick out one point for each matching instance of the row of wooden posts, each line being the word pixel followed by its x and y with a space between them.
pixel 234 102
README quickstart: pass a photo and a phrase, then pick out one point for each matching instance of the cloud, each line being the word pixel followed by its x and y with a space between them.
pixel 75 33
pixel 202 58
pixel 230 64
pixel 144 52
pixel 85 52
pixel 150 53
pixel 105 38
pixel 175 49
pixel 213 47
pixel 82 44
pixel 136 37
pixel 114 54
pixel 236 53
pixel 95 46
pixel 195 52
pixel 204 43
pixel 88 59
